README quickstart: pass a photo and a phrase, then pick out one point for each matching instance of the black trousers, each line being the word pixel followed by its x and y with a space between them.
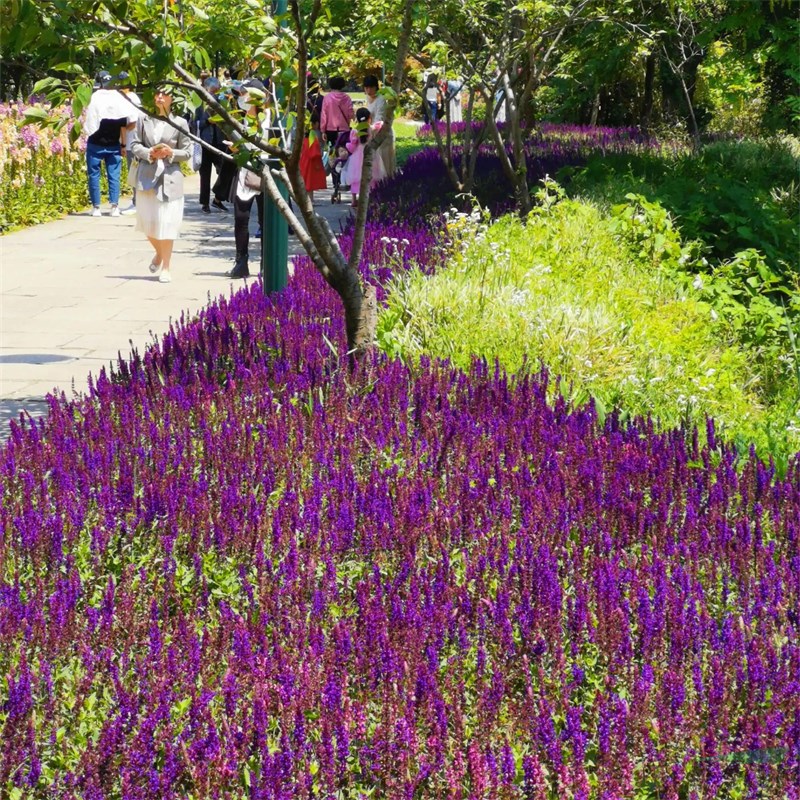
pixel 226 172
pixel 331 137
pixel 241 223
pixel 208 161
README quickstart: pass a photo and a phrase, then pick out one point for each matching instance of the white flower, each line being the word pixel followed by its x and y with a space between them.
pixel 698 283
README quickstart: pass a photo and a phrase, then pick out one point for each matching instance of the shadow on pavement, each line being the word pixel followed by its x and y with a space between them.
pixel 10 410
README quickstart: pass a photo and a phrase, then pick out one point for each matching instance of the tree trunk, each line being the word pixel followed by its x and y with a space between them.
pixel 360 311
pixel 688 83
pixel 511 171
pixel 649 84
pixel 520 181
pixel 360 302
pixel 595 110
pixel 469 155
pixel 693 127
pixel 445 149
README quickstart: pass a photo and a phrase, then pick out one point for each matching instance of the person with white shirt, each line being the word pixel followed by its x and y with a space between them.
pixel 433 99
pixel 378 109
pixel 107 115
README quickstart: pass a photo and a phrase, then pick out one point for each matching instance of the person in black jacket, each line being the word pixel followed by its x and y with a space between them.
pixel 211 134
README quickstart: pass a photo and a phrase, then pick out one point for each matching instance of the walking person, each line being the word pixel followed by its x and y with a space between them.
pixel 247 185
pixel 107 116
pixel 210 133
pixel 378 110
pixel 355 163
pixel 159 149
pixel 311 167
pixel 433 99
pixel 337 111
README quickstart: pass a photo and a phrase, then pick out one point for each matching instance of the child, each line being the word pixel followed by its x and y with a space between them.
pixel 311 166
pixel 358 138
pixel 337 166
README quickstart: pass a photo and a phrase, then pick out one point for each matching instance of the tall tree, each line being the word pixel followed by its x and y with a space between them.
pixel 508 49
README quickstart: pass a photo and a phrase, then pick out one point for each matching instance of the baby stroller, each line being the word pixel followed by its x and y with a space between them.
pixel 336 161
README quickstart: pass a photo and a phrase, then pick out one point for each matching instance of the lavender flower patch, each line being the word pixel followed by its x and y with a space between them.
pixel 300 581
pixel 625 139
pixel 422 190
pixel 239 569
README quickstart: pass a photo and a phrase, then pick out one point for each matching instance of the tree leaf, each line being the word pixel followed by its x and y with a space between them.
pixel 72 69
pixel 34 115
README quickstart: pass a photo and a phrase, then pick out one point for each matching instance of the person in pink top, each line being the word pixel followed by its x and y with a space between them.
pixel 337 111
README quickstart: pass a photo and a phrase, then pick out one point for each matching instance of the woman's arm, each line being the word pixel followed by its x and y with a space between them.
pixel 183 152
pixel 379 109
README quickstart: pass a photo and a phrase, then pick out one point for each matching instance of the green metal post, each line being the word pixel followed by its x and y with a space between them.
pixel 274 241
pixel 274 228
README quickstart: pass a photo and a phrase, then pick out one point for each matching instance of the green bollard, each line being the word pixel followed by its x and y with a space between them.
pixel 275 229
pixel 274 242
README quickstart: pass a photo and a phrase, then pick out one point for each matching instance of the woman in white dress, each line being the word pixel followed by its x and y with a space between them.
pixel 454 99
pixel 158 148
pixel 376 105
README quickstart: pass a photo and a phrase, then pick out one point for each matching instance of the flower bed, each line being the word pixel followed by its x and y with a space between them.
pixel 423 190
pixel 240 569
pixel 42 174
pixel 602 138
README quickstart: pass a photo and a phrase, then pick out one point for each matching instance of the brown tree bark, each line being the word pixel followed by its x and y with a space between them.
pixel 649 87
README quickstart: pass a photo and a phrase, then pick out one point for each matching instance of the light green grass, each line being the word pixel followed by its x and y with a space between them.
pixel 561 289
pixel 406 141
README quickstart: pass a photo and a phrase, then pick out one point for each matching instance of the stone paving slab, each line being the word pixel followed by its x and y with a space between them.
pixel 79 288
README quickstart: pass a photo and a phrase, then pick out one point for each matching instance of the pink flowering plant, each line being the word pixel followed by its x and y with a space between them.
pixel 42 173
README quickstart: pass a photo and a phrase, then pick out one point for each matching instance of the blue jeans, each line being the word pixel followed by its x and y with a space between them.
pixel 95 155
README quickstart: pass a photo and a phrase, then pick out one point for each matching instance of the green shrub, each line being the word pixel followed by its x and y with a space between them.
pixel 597 306
pixel 730 195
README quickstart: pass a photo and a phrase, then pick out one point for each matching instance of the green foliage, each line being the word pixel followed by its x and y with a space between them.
pixel 599 299
pixel 61 188
pixel 728 84
pixel 647 229
pixel 731 195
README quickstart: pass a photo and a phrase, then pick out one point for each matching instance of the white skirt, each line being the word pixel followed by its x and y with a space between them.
pixel 158 219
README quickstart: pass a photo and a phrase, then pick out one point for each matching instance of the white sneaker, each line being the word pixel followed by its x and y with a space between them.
pixel 165 277
pixel 128 211
pixel 97 212
pixel 114 211
pixel 154 268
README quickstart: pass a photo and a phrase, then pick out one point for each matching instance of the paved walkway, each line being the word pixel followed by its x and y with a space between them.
pixel 76 292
